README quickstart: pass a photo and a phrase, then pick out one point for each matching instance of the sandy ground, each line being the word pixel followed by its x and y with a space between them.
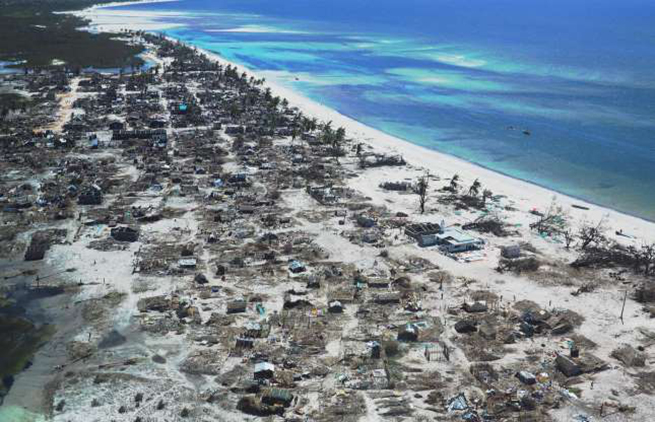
pixel 66 109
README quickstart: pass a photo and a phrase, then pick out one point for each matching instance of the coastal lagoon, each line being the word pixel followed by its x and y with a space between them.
pixel 559 93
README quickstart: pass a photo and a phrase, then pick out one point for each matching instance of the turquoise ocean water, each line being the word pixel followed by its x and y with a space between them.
pixel 467 78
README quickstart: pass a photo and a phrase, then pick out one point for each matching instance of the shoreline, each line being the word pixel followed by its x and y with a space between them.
pixel 445 165
pixel 420 156
pixel 127 3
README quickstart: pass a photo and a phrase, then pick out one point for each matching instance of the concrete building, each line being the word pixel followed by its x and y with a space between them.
pixel 451 240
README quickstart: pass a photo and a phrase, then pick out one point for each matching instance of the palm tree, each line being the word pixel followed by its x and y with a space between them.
pixel 338 138
pixel 328 134
pixel 422 191
pixel 454 183
pixel 305 123
pixel 327 127
pixel 340 135
pixel 475 188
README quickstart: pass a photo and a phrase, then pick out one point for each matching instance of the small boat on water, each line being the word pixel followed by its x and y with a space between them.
pixel 527 132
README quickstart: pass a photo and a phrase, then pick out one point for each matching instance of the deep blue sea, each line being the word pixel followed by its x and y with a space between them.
pixel 455 75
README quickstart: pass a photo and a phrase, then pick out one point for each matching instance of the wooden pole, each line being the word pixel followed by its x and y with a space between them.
pixel 625 297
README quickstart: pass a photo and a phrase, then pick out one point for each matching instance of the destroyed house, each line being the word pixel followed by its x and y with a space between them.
pixel 264 370
pixel 409 332
pixel 376 349
pixel 323 194
pixel 344 294
pixel 157 124
pixel 378 283
pixel 417 231
pixel 235 130
pixel 18 203
pixel 276 396
pixel 116 126
pixel 90 196
pixel 387 298
pixel 122 135
pixel 188 190
pixel 335 307
pixel 160 140
pixel 37 248
pixel 309 138
pixel 125 234
pixel 247 209
pixel 238 178
pixel 236 306
pixel 379 160
pixel 297 267
pixel 244 343
pixel 365 221
pixel 396 186
pixel 187 263
pixel 253 329
pixel 379 379
pixel 511 252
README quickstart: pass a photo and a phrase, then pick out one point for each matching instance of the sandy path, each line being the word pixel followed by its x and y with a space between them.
pixel 66 102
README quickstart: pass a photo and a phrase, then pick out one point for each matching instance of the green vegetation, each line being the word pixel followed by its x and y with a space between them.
pixel 33 34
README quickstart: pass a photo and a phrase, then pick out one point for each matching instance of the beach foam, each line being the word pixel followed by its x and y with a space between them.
pixel 259 29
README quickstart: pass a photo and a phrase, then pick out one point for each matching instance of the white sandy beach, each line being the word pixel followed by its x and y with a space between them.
pixel 104 18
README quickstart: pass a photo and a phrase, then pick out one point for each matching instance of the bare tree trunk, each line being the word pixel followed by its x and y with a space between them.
pixel 625 297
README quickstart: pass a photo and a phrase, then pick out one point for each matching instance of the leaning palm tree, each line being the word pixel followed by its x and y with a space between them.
pixel 475 188
pixel 327 127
